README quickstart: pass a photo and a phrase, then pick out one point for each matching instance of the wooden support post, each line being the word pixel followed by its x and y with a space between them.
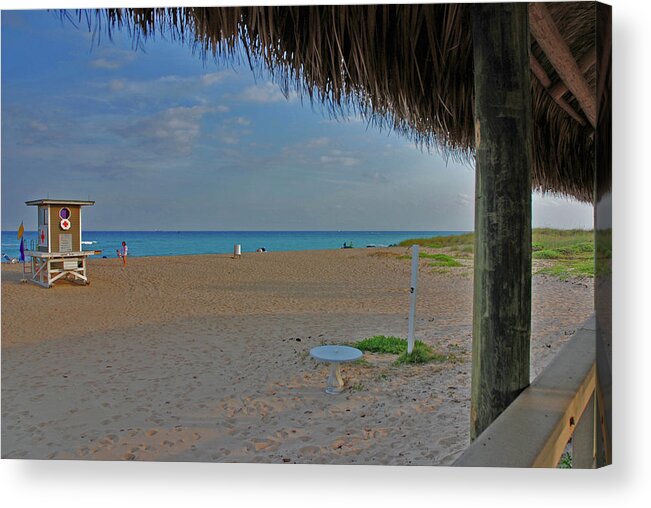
pixel 603 228
pixel 502 280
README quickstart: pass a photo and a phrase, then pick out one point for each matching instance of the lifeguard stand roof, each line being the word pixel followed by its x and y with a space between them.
pixel 37 202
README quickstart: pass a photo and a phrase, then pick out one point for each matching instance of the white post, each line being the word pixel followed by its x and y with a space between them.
pixel 412 297
pixel 237 250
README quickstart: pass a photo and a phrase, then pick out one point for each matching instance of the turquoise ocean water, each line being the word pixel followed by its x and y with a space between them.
pixel 173 243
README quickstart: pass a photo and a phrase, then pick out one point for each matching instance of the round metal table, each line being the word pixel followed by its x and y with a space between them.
pixel 335 355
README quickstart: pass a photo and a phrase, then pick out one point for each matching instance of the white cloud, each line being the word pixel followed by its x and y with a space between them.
pixel 116 85
pixel 229 140
pixel 464 199
pixel 375 176
pixel 237 122
pixel 338 160
pixel 232 130
pixel 103 63
pixel 317 142
pixel 172 129
pixel 212 78
pixel 34 131
pixel 113 58
pixel 172 84
pixel 208 79
pixel 37 125
pixel 336 157
pixel 262 94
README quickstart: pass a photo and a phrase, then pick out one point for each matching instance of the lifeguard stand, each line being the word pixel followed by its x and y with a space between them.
pixel 58 251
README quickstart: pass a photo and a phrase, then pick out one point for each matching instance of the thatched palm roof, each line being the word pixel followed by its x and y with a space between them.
pixel 409 67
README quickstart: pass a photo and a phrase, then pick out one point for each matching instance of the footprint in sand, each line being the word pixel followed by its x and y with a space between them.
pixel 265 444
pixel 151 432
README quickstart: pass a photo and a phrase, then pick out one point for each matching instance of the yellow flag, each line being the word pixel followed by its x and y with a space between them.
pixel 21 230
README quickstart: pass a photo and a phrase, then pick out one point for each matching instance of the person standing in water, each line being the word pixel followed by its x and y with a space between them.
pixel 122 253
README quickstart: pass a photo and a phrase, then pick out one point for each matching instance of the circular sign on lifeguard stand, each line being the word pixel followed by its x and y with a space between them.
pixel 64 215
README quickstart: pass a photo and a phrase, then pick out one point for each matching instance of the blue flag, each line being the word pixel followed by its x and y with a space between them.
pixel 22 250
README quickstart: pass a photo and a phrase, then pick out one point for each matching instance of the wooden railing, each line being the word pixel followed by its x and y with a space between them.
pixel 562 403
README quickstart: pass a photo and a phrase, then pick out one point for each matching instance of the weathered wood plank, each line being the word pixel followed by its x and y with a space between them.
pixel 539 72
pixel 583 439
pixel 502 278
pixel 557 51
pixel 585 63
pixel 534 430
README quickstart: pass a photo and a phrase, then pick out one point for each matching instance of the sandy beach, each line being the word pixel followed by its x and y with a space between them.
pixel 205 358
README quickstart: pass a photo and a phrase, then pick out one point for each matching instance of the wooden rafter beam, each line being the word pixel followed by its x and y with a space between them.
pixel 585 63
pixel 540 73
pixel 551 42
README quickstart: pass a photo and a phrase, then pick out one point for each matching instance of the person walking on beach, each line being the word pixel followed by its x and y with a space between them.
pixel 122 253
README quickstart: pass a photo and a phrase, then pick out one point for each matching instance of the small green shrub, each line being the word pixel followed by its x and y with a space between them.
pixel 357 387
pixel 438 242
pixel 566 461
pixel 443 260
pixel 547 254
pixel 439 259
pixel 422 353
pixel 586 247
pixel 571 269
pixel 382 344
pixel 465 249
pixel 584 268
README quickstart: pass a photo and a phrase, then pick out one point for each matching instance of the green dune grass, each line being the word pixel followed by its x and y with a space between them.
pixel 422 353
pixel 565 253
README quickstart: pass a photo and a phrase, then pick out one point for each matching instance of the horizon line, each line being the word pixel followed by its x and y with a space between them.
pixel 258 230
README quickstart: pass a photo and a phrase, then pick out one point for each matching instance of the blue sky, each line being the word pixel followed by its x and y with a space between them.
pixel 161 140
